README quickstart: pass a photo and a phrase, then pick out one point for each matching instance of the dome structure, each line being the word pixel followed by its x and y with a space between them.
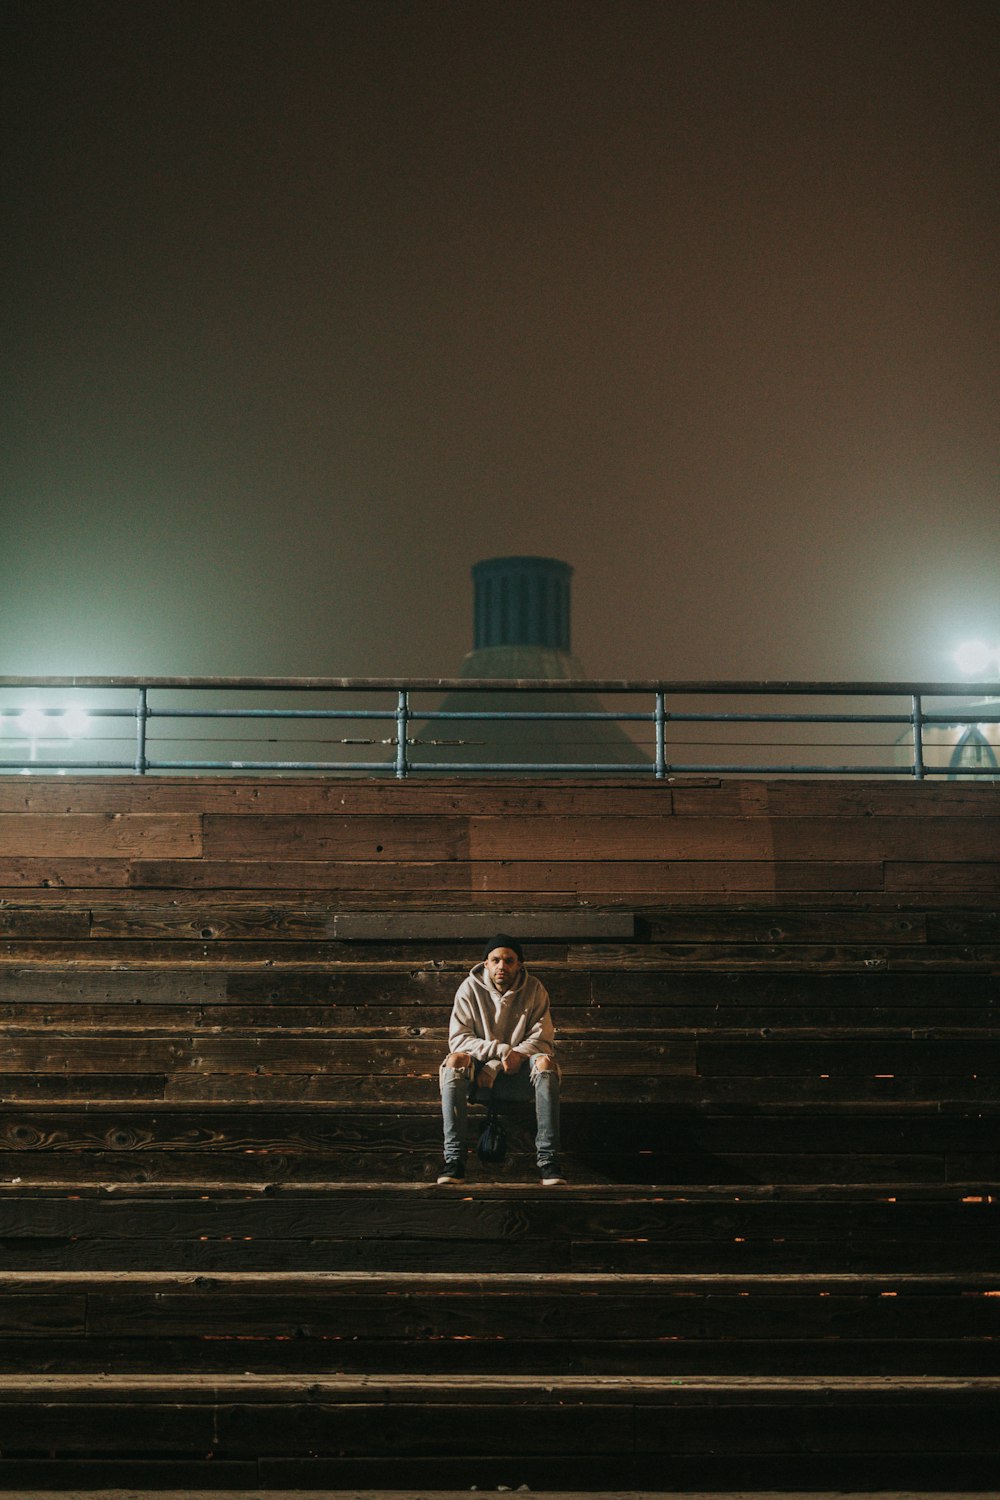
pixel 521 631
pixel 957 749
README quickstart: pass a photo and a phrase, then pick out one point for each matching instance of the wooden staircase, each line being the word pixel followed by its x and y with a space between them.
pixel 223 1261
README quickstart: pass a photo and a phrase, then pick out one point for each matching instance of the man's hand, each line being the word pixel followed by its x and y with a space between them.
pixel 513 1061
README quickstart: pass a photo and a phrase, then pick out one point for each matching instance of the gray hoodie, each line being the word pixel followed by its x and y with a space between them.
pixel 488 1024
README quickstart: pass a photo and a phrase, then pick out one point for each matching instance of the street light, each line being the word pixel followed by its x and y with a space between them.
pixel 37 723
pixel 31 722
pixel 75 723
pixel 974 658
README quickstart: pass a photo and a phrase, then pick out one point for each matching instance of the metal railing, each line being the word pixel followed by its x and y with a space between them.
pixel 933 734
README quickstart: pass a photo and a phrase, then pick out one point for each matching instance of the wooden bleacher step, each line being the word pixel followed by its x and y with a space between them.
pixel 586 1432
pixel 500 1228
pixel 544 1324
pixel 222 1262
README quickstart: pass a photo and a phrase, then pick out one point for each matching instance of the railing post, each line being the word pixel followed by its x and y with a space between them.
pixel 402 715
pixel 141 715
pixel 917 720
pixel 661 736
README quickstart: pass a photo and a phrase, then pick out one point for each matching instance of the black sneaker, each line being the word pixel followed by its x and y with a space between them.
pixel 551 1173
pixel 452 1171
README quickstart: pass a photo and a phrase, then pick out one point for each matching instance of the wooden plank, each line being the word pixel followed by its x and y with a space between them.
pixel 766 1057
pixel 706 1393
pixel 111 986
pixel 958 875
pixel 831 927
pixel 806 838
pixel 963 927
pixel 876 799
pixel 241 1428
pixel 473 927
pixel 258 1253
pixel 43 1313
pixel 505 880
pixel 62 1086
pixel 647 987
pixel 52 1052
pixel 94 835
pixel 24 873
pixel 808 957
pixel 323 837
pixel 887 838
pixel 148 1476
pixel 282 919
pixel 275 923
pixel 680 1356
pixel 446 875
pixel 691 796
pixel 668 1133
pixel 617 838
pixel 417 986
pixel 259 795
pixel 910 1430
pixel 582 987
pixel 376 1305
pixel 545 957
pixel 572 1020
pixel 640 1089
pixel 55 1054
pixel 637 878
pixel 222 1253
pixel 834 798
pixel 282 923
pixel 104 1428
pixel 50 922
pixel 386 1164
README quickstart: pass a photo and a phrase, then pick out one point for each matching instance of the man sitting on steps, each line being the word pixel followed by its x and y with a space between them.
pixel 501 1037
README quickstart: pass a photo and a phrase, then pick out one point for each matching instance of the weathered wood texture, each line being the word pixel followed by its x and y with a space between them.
pixel 499 1228
pixel 475 844
pixel 340 1430
pixel 222 1009
pixel 389 1321
pixel 238 981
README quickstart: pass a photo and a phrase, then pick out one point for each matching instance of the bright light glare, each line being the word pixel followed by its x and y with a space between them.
pixel 974 658
pixel 32 722
pixel 75 722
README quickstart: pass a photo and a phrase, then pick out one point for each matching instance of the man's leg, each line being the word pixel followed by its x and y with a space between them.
pixel 545 1078
pixel 454 1081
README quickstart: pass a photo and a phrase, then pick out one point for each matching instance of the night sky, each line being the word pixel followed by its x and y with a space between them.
pixel 309 306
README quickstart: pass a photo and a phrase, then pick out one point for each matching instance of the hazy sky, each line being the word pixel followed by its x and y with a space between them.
pixel 312 304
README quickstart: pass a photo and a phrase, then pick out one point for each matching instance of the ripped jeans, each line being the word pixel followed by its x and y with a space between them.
pixel 514 1086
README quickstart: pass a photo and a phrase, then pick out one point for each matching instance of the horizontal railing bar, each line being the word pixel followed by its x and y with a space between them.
pixel 582 717
pixel 415 768
pixel 951 721
pixel 269 713
pixel 60 765
pixel 386 765
pixel 946 721
pixel 518 685
pixel 735 718
pixel 556 768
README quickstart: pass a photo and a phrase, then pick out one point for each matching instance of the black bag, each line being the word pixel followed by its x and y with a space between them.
pixel 492 1144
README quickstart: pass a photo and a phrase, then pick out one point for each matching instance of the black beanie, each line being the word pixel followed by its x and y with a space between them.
pixel 504 940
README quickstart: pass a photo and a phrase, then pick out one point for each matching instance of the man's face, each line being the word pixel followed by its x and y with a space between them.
pixel 503 967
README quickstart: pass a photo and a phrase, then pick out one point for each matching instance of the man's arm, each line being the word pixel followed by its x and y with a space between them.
pixel 463 1036
pixel 540 1034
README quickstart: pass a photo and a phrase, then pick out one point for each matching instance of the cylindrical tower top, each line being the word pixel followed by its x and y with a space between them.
pixel 522 601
